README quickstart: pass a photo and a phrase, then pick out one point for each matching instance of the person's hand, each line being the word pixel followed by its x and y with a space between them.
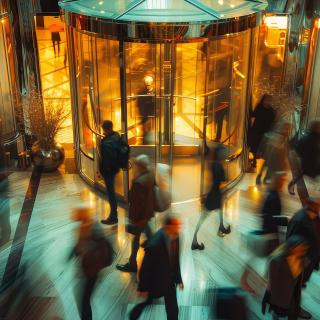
pixel 181 286
pixel 143 294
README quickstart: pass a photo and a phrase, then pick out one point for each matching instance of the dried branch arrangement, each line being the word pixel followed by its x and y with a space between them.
pixel 43 121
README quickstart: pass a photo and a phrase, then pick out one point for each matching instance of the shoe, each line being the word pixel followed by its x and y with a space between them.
pixel 126 267
pixel 110 221
pixel 197 246
pixel 224 231
pixel 258 180
pixel 304 314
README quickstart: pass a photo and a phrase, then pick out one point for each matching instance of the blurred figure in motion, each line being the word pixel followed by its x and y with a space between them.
pixel 109 167
pixel 95 253
pixel 305 159
pixel 141 208
pixel 285 273
pixel 55 30
pixel 275 152
pixel 160 270
pixel 263 117
pixel 306 224
pixel 5 227
pixel 213 200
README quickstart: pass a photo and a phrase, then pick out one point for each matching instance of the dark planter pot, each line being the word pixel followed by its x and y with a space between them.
pixel 49 159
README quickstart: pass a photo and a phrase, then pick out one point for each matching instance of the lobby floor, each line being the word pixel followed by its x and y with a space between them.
pixel 43 233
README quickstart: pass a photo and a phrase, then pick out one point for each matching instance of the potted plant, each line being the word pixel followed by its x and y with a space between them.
pixel 43 122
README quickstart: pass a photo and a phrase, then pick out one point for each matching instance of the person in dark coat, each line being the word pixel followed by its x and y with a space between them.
pixel 221 112
pixel 109 167
pixel 160 271
pixel 305 223
pixel 263 119
pixel 146 107
pixel 307 150
pixel 141 208
pixel 213 200
pixel 95 253
pixel 285 274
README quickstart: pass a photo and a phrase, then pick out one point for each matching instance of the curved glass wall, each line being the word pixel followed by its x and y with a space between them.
pixel 8 82
pixel 174 89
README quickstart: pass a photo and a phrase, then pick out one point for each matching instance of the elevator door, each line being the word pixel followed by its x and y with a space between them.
pixel 164 112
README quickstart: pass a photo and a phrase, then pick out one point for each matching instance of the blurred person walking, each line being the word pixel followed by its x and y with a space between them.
pixel 160 270
pixel 262 118
pixel 95 253
pixel 305 159
pixel 285 273
pixel 306 223
pixel 275 152
pixel 214 200
pixel 141 208
pixel 109 167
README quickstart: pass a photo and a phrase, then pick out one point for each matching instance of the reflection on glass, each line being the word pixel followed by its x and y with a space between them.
pixel 8 85
pixel 54 69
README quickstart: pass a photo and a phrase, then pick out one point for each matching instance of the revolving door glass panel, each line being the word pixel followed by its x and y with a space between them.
pixel 8 84
pixel 142 92
pixel 227 79
pixel 188 112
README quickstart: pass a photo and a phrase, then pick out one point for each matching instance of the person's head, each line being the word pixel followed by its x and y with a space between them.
pixel 278 180
pixel 141 163
pixel 107 127
pixel 313 207
pixel 83 214
pixel 296 246
pixel 266 100
pixel 148 82
pixel 172 225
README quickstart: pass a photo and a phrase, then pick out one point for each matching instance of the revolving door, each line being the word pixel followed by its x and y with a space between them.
pixel 174 90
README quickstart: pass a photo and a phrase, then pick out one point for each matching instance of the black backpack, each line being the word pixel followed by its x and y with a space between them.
pixel 123 154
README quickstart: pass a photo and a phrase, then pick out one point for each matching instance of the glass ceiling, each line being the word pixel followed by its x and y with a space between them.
pixel 164 10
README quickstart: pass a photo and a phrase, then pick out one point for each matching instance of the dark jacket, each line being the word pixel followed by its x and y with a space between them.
pixel 271 207
pixel 158 273
pixel 141 208
pixel 284 289
pixel 302 225
pixel 263 121
pixel 109 154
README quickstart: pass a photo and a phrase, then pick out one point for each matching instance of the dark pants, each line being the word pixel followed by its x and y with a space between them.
pixel 86 311
pixel 109 180
pixel 170 299
pixel 219 117
pixel 136 243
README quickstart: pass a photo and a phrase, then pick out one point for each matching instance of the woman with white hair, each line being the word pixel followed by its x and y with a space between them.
pixel 141 208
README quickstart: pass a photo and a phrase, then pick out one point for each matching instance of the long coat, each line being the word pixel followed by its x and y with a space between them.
pixel 158 272
pixel 141 201
pixel 263 121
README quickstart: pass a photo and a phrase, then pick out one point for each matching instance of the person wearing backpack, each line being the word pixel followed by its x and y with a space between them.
pixel 141 208
pixel 95 253
pixel 109 167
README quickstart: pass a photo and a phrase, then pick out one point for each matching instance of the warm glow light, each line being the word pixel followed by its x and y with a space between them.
pixel 232 5
pixel 101 3
pixel 277 22
pixel 318 23
pixel 2 21
pixel 220 2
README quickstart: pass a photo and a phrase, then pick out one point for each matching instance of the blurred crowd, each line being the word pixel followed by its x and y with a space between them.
pixel 293 254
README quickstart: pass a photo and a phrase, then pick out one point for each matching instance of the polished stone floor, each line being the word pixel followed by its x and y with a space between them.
pixel 53 281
